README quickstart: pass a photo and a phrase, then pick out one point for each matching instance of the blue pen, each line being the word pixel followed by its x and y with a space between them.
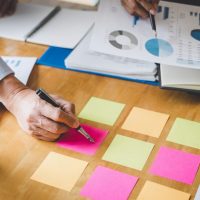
pixel 135 19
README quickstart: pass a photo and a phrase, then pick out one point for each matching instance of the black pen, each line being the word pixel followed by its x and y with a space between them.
pixel 43 22
pixel 153 23
pixel 43 95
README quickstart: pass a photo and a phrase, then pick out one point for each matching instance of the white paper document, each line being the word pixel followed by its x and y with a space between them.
pixel 85 60
pixel 22 66
pixel 178 28
pixel 84 2
pixel 26 17
pixel 65 29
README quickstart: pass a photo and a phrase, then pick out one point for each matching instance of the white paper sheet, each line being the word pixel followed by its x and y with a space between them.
pixel 178 28
pixel 26 17
pixel 83 59
pixel 65 29
pixel 22 66
pixel 84 2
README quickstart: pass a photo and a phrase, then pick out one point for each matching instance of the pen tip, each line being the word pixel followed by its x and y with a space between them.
pixel 92 140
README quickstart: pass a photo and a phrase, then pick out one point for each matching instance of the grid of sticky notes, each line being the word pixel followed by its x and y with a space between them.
pixel 63 172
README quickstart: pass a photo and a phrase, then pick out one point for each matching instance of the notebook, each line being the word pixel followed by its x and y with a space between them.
pixel 64 29
pixel 180 78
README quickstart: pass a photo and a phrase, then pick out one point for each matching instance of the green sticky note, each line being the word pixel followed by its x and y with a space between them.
pixel 128 152
pixel 185 132
pixel 101 110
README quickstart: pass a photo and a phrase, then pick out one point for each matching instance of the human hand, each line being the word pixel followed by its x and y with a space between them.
pixel 140 7
pixel 7 7
pixel 39 118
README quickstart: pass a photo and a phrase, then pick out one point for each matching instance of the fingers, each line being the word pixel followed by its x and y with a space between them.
pixel 134 8
pixel 66 106
pixel 50 126
pixel 49 137
pixel 58 115
pixel 140 7
pixel 12 7
pixel 7 7
pixel 155 4
pixel 141 12
pixel 46 129
pixel 147 6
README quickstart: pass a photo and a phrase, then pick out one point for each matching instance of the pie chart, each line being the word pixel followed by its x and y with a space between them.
pixel 196 34
pixel 159 47
pixel 122 40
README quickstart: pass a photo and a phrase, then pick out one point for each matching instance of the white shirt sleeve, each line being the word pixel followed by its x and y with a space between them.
pixel 4 69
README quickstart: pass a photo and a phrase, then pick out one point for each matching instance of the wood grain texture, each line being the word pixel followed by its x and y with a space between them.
pixel 20 154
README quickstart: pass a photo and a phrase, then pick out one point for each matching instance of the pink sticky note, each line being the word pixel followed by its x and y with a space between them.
pixel 73 140
pixel 107 184
pixel 176 165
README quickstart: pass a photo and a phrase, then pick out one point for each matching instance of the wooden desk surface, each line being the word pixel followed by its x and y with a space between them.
pixel 20 154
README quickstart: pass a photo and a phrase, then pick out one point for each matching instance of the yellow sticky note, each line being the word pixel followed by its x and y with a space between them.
pixel 59 171
pixel 155 191
pixel 145 122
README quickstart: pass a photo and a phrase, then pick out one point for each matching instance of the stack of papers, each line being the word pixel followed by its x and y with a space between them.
pixel 176 48
pixel 83 59
pixel 22 66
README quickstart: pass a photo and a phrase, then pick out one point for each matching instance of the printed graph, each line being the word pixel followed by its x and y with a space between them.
pixel 195 15
pixel 159 47
pixel 196 34
pixel 122 40
pixel 165 11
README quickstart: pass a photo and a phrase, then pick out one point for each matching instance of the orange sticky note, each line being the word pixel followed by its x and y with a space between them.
pixel 145 122
pixel 59 171
pixel 155 191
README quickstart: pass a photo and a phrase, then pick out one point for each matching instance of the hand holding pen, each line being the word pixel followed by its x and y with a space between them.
pixel 59 105
pixel 141 8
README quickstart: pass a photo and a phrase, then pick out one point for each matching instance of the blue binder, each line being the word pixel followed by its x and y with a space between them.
pixel 55 57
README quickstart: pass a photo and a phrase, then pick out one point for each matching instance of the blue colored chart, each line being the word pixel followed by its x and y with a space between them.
pixel 196 34
pixel 159 47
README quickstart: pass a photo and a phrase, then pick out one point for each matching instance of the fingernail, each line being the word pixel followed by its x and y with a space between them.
pixel 76 124
pixel 153 12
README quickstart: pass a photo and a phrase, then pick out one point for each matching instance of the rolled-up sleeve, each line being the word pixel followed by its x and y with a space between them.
pixel 5 70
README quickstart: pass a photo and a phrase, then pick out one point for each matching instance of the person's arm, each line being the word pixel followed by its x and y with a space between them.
pixel 34 115
pixel 140 7
pixel 7 7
